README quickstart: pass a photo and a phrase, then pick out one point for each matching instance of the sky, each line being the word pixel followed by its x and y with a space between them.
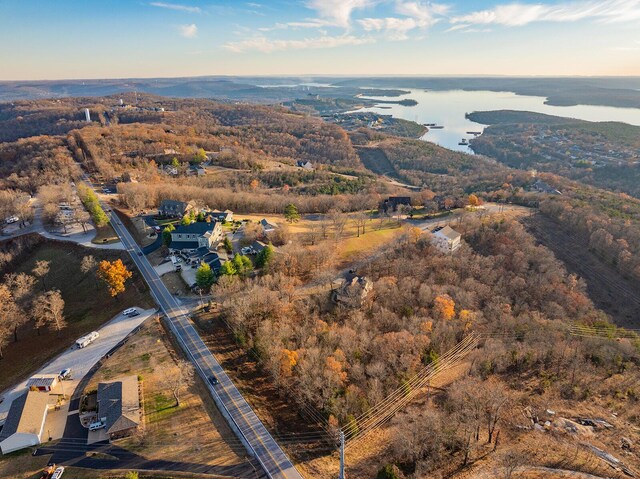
pixel 84 39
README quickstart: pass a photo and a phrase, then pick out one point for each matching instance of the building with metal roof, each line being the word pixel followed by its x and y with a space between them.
pixel 25 422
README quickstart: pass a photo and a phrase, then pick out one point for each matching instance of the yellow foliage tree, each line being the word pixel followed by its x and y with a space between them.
pixel 288 359
pixel 444 307
pixel 114 274
pixel 474 200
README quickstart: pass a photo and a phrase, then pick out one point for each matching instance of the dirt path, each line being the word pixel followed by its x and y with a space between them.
pixel 617 296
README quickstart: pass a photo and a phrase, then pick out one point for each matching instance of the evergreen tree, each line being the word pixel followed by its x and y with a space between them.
pixel 291 213
pixel 264 257
pixel 204 276
pixel 166 234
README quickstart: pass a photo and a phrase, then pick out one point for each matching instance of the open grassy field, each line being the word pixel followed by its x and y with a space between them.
pixel 87 305
pixel 192 432
pixel 355 248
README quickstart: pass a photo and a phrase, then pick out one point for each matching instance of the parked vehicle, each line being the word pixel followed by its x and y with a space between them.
pixel 11 220
pixel 65 374
pixel 128 311
pixel 94 426
pixel 85 341
pixel 57 474
pixel 178 267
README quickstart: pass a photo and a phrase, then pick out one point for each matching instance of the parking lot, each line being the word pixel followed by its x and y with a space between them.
pixel 81 360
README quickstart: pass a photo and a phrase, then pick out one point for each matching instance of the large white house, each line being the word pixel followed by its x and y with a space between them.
pixel 190 237
pixel 446 239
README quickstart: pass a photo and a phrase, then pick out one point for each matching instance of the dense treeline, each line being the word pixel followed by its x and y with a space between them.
pixel 30 163
pixel 610 221
pixel 140 196
pixel 344 361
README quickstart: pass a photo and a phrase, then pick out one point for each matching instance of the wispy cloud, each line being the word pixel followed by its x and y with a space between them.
pixel 189 31
pixel 518 14
pixel 177 7
pixel 415 15
pixel 266 45
pixel 338 12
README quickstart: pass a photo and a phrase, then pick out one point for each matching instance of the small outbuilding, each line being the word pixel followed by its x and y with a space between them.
pixel 45 382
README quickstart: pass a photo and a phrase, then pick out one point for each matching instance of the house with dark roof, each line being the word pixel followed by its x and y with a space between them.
pixel 446 239
pixel 25 422
pixel 267 226
pixel 217 215
pixel 393 202
pixel 174 209
pixel 119 406
pixel 307 165
pixel 188 238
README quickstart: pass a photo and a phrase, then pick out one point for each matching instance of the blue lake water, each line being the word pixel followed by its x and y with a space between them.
pixel 448 108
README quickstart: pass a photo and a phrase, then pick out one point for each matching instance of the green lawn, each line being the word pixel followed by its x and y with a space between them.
pixel 87 306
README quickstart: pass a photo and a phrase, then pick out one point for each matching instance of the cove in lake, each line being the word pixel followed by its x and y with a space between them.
pixel 448 108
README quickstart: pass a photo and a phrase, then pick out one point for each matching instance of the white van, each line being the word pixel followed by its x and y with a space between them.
pixel 94 426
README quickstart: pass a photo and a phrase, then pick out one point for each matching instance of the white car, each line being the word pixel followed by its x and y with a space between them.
pixel 94 426
pixel 57 474
pixel 12 219
pixel 129 311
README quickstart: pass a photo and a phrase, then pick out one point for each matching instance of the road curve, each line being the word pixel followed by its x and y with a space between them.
pixel 238 412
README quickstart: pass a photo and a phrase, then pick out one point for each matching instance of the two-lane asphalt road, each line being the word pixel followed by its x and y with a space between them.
pixel 238 412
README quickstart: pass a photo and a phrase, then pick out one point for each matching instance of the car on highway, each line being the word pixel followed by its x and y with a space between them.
pixel 213 380
pixel 94 426
pixel 139 253
pixel 65 374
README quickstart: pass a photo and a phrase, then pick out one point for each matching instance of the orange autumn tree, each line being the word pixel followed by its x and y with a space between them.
pixel 288 359
pixel 114 274
pixel 444 307
pixel 474 200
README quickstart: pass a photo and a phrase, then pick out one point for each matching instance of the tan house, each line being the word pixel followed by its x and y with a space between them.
pixel 25 422
pixel 119 406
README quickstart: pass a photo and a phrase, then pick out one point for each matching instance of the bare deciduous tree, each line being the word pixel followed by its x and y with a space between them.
pixel 48 310
pixel 179 378
pixel 41 270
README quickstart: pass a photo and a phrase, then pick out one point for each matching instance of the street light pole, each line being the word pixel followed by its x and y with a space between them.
pixel 342 476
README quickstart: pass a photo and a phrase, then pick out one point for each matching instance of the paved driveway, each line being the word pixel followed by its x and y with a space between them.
pixel 81 360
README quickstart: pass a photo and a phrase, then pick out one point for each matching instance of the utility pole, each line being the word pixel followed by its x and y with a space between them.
pixel 342 476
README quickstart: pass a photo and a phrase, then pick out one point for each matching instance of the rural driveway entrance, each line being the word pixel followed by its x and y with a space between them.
pixel 81 360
